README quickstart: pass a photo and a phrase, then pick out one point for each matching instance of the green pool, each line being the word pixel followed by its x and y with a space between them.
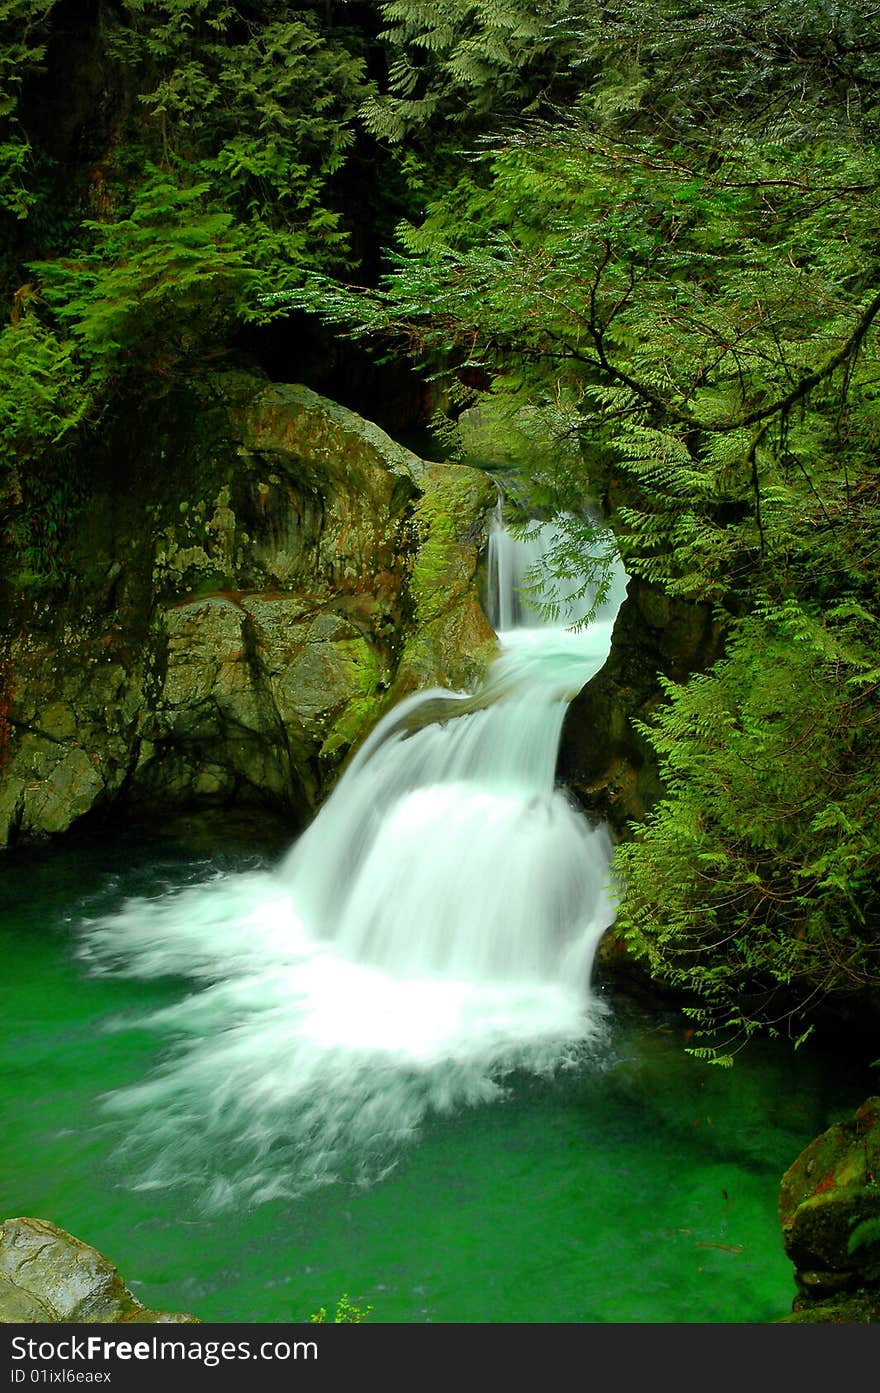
pixel 638 1185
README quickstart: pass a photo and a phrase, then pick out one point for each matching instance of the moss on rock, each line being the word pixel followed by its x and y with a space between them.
pixel 47 1276
pixel 272 573
pixel 451 643
pixel 829 1209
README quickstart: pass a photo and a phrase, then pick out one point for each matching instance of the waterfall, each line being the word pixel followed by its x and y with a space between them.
pixel 430 933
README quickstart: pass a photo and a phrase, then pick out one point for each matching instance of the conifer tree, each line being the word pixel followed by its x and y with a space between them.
pixel 681 274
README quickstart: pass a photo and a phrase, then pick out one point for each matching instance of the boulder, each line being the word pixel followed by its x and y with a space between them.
pixel 46 1275
pixel 603 758
pixel 829 1209
pixel 274 573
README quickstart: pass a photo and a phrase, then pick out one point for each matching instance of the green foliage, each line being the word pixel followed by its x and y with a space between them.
pixel 43 401
pixel 42 396
pixel 466 62
pixel 15 196
pixel 673 318
pixel 752 886
pixel 224 132
pixel 631 65
pixel 786 72
pixel 23 35
pixel 262 109
pixel 347 1313
pixel 144 295
pixel 646 248
pixel 24 28
pixel 681 274
pixel 162 279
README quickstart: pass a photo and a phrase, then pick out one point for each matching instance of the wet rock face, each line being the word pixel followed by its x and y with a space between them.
pixel 829 1208
pixel 271 573
pixel 46 1275
pixel 602 757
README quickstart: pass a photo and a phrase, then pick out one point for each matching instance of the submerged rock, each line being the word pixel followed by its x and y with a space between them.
pixel 47 1275
pixel 829 1208
pixel 273 572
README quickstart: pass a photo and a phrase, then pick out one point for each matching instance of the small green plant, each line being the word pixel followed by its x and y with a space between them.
pixel 347 1313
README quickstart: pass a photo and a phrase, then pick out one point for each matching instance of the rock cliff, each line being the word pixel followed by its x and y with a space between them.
pixel 252 578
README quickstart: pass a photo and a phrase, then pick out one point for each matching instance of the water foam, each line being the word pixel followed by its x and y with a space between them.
pixel 431 932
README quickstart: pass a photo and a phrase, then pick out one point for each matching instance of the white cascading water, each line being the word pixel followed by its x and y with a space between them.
pixel 431 932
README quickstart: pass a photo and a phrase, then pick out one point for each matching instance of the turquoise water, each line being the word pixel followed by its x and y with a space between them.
pixel 639 1185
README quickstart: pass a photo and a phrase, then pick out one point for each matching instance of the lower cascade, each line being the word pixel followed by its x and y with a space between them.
pixel 431 932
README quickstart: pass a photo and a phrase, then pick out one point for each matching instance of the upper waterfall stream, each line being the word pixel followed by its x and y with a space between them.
pixel 431 931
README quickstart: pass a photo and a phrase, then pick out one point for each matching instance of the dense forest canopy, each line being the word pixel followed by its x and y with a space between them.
pixel 643 231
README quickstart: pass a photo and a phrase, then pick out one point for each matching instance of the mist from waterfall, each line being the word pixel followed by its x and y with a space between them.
pixel 430 933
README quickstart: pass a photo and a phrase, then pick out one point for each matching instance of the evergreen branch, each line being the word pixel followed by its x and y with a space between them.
pixel 780 406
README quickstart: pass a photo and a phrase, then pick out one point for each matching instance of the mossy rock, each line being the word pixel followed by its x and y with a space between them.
pixel 832 1188
pixel 451 642
pixel 856 1308
pixel 275 572
pixel 48 1276
pixel 603 757
pixel 829 1209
